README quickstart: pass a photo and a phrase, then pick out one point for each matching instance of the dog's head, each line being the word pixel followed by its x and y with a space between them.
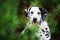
pixel 35 14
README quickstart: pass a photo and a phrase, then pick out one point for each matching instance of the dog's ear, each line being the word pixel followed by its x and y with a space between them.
pixel 26 11
pixel 43 13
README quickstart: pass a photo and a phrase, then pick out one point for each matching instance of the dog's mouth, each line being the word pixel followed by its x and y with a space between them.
pixel 34 22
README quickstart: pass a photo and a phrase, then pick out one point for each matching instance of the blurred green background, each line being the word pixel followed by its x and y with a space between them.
pixel 13 20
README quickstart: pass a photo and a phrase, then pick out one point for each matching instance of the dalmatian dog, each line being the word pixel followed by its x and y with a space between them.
pixel 37 15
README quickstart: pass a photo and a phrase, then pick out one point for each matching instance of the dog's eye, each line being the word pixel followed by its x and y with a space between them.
pixel 31 12
pixel 38 12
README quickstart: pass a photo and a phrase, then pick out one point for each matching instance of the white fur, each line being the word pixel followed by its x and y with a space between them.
pixel 35 14
pixel 43 26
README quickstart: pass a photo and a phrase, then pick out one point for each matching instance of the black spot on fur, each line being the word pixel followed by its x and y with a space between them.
pixel 40 32
pixel 29 9
pixel 43 31
pixel 46 28
pixel 26 14
pixel 47 35
pixel 46 31
pixel 43 11
pixel 40 35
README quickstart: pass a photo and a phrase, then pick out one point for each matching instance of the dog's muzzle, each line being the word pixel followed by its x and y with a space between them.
pixel 34 20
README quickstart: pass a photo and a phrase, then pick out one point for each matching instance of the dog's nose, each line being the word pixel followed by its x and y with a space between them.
pixel 34 19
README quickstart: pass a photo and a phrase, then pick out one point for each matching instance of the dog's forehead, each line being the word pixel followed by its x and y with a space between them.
pixel 35 9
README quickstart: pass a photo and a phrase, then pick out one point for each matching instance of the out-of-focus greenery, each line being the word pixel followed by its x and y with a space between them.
pixel 52 23
pixel 29 33
pixel 35 3
pixel 9 20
